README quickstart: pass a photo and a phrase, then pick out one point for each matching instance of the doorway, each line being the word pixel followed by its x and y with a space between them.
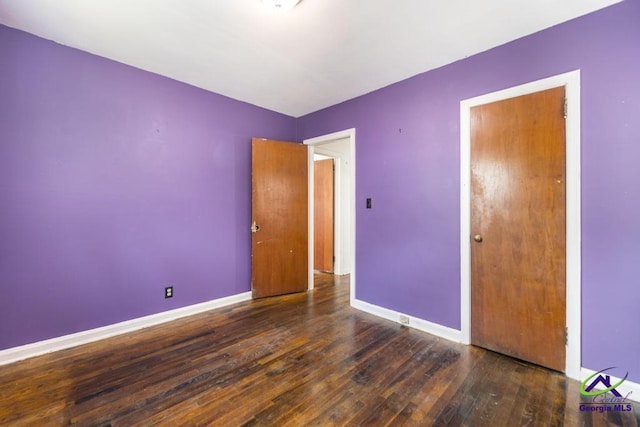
pixel 339 146
pixel 571 82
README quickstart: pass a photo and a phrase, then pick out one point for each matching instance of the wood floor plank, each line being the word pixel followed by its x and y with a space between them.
pixel 306 359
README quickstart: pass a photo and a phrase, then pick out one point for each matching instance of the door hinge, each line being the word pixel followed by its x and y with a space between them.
pixel 566 336
pixel 566 108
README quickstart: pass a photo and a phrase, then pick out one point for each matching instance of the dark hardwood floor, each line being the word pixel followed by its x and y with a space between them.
pixel 296 360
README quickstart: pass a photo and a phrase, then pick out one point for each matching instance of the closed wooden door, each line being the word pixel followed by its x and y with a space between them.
pixel 279 205
pixel 323 215
pixel 518 227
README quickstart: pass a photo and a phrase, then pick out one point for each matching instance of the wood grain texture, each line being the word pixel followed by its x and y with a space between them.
pixel 323 215
pixel 518 207
pixel 279 206
pixel 295 360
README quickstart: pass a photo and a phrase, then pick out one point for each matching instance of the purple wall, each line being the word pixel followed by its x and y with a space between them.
pixel 115 182
pixel 407 149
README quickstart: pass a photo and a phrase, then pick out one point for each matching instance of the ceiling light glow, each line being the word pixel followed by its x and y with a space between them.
pixel 280 5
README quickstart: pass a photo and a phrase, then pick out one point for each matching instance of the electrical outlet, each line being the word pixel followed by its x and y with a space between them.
pixel 168 292
pixel 404 319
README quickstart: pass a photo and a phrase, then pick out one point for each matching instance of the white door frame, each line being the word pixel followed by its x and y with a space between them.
pixel 318 142
pixel 571 82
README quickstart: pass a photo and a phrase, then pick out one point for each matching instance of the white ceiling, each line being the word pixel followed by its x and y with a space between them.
pixel 317 55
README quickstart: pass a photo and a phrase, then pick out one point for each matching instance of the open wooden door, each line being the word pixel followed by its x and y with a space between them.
pixel 518 292
pixel 323 215
pixel 279 204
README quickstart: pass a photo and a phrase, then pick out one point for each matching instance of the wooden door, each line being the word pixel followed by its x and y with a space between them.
pixel 279 239
pixel 518 227
pixel 323 215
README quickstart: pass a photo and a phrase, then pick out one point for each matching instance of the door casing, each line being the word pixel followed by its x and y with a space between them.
pixel 571 82
pixel 317 142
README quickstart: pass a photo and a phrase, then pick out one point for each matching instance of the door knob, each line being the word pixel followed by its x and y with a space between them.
pixel 254 227
pixel 477 238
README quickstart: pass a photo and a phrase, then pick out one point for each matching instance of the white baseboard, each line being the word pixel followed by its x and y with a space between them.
pixel 67 341
pixel 414 322
pixel 624 389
